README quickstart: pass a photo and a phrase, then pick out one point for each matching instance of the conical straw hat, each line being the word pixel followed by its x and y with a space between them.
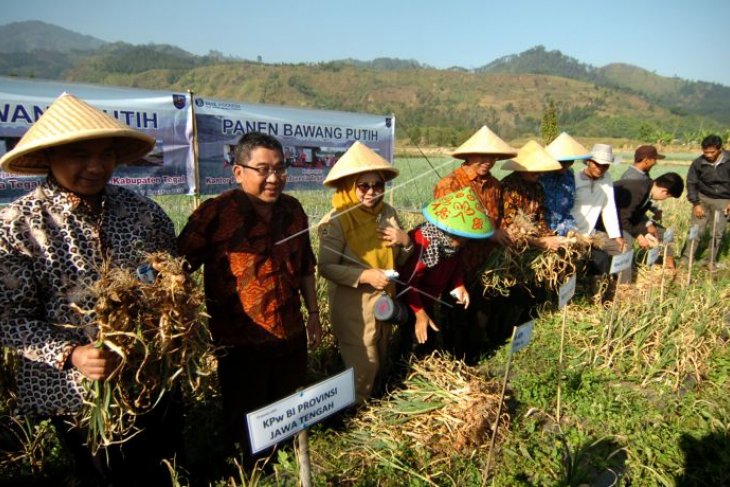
pixel 358 159
pixel 460 213
pixel 566 148
pixel 532 158
pixel 70 120
pixel 484 141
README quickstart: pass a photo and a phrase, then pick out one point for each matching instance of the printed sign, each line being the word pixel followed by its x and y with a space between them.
pixel 621 262
pixel 694 233
pixel 167 117
pixel 652 256
pixel 523 335
pixel 278 421
pixel 668 236
pixel 313 140
pixel 566 292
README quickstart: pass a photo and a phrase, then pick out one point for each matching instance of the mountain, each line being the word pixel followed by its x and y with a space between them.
pixel 34 35
pixel 538 60
pixel 678 95
pixel 431 105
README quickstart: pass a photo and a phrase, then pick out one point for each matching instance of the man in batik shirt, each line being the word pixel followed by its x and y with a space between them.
pixel 254 244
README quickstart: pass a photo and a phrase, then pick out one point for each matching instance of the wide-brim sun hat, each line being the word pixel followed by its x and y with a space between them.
pixel 485 142
pixel 532 158
pixel 603 154
pixel 565 148
pixel 359 159
pixel 460 213
pixel 66 121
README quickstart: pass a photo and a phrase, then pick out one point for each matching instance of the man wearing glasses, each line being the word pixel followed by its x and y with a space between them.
pixel 253 242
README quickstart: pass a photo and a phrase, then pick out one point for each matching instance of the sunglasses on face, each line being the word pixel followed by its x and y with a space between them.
pixel 378 187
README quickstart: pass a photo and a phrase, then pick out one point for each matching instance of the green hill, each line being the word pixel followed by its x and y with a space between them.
pixel 431 105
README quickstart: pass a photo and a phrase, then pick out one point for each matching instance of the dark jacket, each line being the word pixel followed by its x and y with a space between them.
pixel 633 200
pixel 709 180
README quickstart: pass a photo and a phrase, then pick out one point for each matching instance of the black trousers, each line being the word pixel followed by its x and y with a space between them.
pixel 137 461
pixel 249 380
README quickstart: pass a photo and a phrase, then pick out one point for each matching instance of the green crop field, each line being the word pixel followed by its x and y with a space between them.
pixel 644 401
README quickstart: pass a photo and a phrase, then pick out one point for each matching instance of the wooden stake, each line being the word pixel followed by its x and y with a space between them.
pixel 305 466
pixel 560 361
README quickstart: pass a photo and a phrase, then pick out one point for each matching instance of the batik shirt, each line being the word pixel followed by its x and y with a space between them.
pixel 489 192
pixel 520 196
pixel 559 190
pixel 52 247
pixel 253 270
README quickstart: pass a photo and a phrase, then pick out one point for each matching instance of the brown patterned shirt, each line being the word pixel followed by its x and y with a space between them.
pixel 252 270
pixel 51 250
pixel 519 195
pixel 489 192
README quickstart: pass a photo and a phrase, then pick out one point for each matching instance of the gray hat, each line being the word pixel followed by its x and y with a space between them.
pixel 603 154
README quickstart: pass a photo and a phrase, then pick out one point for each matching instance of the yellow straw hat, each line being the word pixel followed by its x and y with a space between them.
pixel 358 159
pixel 566 148
pixel 70 120
pixel 484 141
pixel 532 158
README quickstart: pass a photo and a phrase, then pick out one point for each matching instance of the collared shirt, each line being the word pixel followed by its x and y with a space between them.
pixel 593 199
pixel 559 190
pixel 487 189
pixel 518 196
pixel 709 179
pixel 252 270
pixel 52 248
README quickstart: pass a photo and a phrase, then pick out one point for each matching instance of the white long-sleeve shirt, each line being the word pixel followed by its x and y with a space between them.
pixel 594 198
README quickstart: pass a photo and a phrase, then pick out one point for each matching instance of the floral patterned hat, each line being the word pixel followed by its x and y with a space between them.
pixel 460 213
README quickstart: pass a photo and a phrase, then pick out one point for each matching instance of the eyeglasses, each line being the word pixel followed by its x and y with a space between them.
pixel 266 171
pixel 378 187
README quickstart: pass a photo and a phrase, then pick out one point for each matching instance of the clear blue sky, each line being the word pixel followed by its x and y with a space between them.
pixel 687 38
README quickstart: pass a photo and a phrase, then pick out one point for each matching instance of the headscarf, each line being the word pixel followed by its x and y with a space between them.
pixel 439 245
pixel 360 225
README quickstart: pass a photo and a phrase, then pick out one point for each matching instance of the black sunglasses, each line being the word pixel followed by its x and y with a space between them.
pixel 378 187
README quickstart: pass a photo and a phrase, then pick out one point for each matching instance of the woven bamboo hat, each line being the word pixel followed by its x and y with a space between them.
pixel 70 120
pixel 532 158
pixel 460 213
pixel 358 159
pixel 565 148
pixel 484 141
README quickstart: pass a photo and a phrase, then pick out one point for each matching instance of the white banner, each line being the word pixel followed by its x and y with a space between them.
pixel 313 140
pixel 162 115
pixel 278 421
pixel 668 236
